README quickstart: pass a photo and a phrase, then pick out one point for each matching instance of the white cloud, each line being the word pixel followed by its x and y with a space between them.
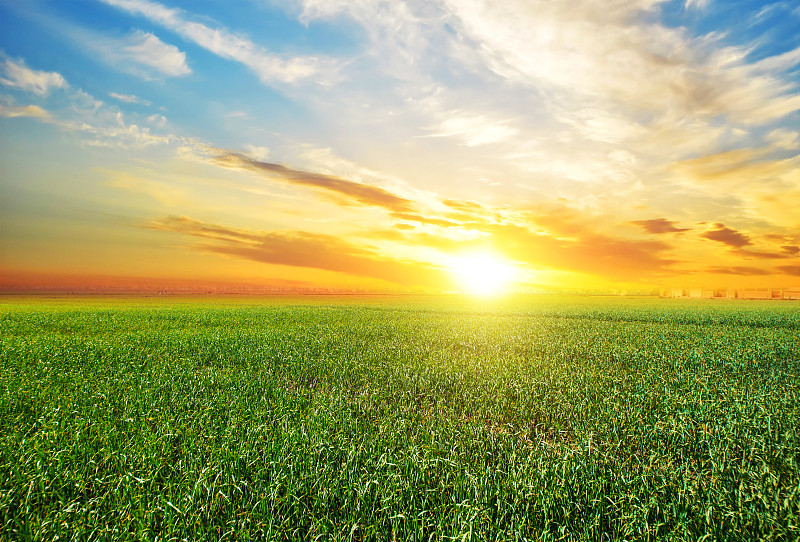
pixel 159 121
pixel 123 135
pixel 11 111
pixel 475 129
pixel 93 121
pixel 613 53
pixel 696 4
pixel 128 98
pixel 17 75
pixel 145 48
pixel 257 153
pixel 604 126
pixel 139 53
pixel 784 139
pixel 398 34
pixel 270 68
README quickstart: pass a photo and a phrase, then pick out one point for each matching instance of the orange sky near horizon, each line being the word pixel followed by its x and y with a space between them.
pixel 392 146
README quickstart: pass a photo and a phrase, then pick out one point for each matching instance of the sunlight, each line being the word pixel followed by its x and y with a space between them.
pixel 482 274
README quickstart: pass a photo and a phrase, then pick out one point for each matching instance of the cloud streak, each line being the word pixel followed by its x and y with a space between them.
pixel 586 252
pixel 303 249
pixel 740 270
pixel 793 270
pixel 11 111
pixel 658 225
pixel 363 194
pixel 142 53
pixel 270 68
pixel 613 51
pixel 129 98
pixel 727 236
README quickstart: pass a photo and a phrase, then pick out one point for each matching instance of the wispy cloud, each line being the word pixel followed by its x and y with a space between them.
pixel 129 98
pixel 762 254
pixel 11 111
pixel 97 123
pixel 426 220
pixel 587 252
pixel 727 236
pixel 474 129
pixel 269 67
pixel 613 51
pixel 735 167
pixel 398 34
pixel 740 270
pixel 303 249
pixel 140 50
pixel 553 240
pixel 159 121
pixel 658 225
pixel 354 192
pixel 791 250
pixel 760 181
pixel 17 75
pixel 696 4
pixel 793 270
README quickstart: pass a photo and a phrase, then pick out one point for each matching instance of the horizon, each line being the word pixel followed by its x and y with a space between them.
pixel 424 146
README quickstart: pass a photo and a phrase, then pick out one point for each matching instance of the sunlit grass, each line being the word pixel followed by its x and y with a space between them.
pixel 399 418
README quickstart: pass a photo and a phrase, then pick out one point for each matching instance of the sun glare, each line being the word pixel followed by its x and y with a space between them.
pixel 482 274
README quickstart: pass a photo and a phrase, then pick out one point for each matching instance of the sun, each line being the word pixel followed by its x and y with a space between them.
pixel 482 274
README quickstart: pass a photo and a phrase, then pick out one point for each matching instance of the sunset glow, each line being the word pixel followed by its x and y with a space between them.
pixel 349 145
pixel 482 274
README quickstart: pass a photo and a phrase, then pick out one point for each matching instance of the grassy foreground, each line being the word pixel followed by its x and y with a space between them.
pixel 406 418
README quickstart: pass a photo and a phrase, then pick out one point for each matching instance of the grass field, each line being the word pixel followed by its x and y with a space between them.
pixel 399 418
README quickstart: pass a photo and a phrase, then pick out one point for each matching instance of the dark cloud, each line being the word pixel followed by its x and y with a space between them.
pixel 740 270
pixel 762 255
pixel 302 249
pixel 791 250
pixel 727 236
pixel 658 225
pixel 362 193
pixel 790 269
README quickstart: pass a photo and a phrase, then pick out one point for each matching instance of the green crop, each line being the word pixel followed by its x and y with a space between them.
pixel 399 419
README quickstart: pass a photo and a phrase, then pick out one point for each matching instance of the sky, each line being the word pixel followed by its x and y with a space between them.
pixel 400 145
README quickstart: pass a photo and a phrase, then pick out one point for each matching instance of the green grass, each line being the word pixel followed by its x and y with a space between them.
pixel 399 418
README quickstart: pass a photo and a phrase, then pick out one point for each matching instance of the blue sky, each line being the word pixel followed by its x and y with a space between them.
pixel 350 143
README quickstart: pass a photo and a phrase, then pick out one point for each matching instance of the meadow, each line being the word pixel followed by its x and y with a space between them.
pixel 398 418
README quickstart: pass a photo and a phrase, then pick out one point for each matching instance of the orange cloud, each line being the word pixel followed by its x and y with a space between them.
pixel 727 236
pixel 461 205
pixel 196 228
pixel 762 255
pixel 569 244
pixel 793 270
pixel 303 249
pixel 425 220
pixel 740 270
pixel 658 225
pixel 591 253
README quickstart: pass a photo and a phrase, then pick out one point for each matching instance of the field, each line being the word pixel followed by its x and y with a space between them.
pixel 399 418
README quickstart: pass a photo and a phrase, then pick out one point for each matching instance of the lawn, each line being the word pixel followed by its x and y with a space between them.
pixel 407 418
